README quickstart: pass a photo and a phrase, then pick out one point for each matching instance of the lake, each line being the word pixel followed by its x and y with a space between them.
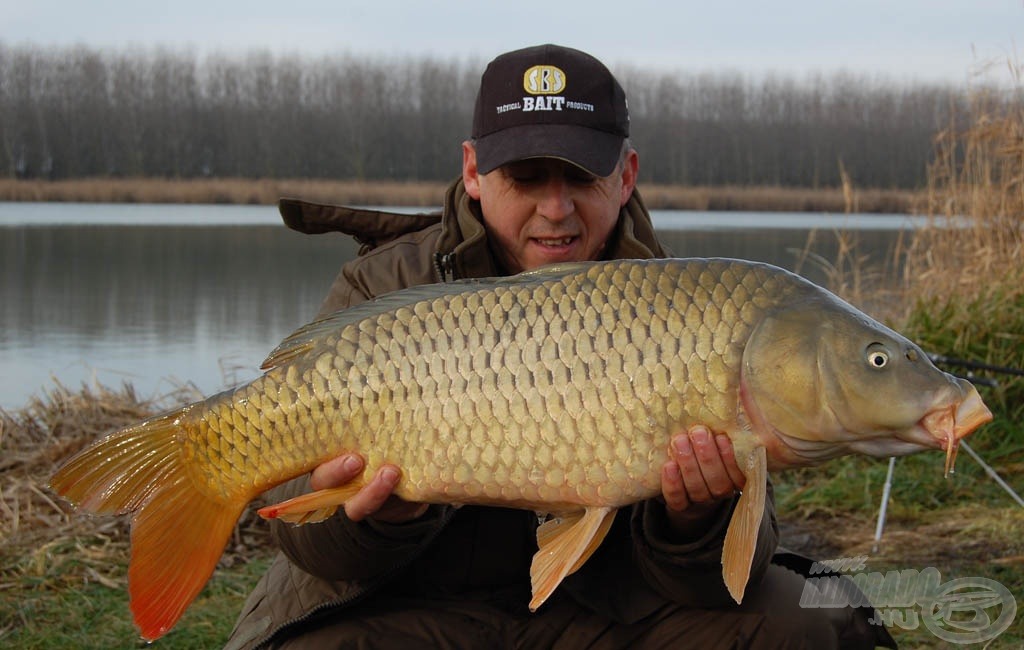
pixel 164 295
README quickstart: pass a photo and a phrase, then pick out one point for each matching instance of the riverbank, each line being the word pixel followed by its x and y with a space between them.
pixel 430 194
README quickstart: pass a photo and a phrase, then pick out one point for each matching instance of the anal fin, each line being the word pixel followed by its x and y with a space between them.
pixel 741 536
pixel 313 506
pixel 564 545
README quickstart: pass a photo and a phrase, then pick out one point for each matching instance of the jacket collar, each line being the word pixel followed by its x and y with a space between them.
pixel 463 246
pixel 462 249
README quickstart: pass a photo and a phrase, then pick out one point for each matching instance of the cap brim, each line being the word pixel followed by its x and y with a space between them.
pixel 593 150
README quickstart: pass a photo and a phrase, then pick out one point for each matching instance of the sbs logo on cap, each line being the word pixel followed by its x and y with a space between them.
pixel 544 80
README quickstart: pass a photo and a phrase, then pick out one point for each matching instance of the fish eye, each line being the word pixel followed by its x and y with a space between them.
pixel 877 356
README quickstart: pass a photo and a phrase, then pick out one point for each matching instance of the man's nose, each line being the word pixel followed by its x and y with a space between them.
pixel 556 203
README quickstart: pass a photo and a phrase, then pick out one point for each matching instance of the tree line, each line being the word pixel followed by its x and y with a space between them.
pixel 72 112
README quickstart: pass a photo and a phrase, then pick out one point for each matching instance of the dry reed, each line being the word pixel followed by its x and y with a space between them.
pixel 976 198
pixel 221 191
pixel 428 194
pixel 41 539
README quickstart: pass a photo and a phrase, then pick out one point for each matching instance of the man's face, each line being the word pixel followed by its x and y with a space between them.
pixel 544 210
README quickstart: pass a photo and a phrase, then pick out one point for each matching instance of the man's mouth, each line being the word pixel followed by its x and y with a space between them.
pixel 554 242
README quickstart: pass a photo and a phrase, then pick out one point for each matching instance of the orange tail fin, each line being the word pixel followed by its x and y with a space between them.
pixel 178 532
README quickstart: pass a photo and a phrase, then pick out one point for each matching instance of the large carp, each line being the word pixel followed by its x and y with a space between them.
pixel 555 390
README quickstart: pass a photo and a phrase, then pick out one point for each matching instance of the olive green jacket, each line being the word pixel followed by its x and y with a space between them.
pixel 469 552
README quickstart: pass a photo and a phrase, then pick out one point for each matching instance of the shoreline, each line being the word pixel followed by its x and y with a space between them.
pixel 242 191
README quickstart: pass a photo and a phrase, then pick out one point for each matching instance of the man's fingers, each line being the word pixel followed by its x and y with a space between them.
pixel 690 470
pixel 672 488
pixel 370 499
pixel 336 472
pixel 705 469
pixel 729 460
pixel 716 479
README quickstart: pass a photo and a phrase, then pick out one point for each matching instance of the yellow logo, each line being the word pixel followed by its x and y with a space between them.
pixel 544 80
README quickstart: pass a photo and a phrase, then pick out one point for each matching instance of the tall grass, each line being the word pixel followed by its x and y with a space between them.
pixel 967 278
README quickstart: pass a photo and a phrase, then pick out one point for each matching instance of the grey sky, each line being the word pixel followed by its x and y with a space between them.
pixel 944 40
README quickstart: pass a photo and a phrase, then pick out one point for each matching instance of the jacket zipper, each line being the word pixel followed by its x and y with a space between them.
pixel 444 264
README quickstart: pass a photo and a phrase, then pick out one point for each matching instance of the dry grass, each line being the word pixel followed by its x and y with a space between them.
pixel 41 539
pixel 781 199
pixel 976 182
pixel 221 190
pixel 426 194
pixel 35 439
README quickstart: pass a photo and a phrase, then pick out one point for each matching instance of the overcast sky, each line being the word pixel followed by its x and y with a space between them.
pixel 923 40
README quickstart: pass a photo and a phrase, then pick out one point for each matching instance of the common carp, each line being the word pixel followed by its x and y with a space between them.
pixel 555 390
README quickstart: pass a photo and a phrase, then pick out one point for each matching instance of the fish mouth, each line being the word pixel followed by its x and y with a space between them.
pixel 949 424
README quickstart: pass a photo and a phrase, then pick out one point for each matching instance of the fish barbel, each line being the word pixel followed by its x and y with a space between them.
pixel 555 390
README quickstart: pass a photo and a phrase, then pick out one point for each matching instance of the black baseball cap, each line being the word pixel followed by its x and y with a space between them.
pixel 549 101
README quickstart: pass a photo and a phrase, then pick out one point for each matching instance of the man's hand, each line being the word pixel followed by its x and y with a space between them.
pixel 701 472
pixel 375 499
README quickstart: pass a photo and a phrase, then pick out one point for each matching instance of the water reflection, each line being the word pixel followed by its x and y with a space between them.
pixel 150 303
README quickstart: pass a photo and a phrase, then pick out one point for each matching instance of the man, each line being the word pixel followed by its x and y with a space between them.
pixel 548 176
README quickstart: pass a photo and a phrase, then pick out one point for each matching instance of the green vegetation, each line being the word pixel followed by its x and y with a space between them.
pixel 45 608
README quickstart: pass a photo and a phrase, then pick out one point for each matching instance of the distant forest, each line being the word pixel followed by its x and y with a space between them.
pixel 82 112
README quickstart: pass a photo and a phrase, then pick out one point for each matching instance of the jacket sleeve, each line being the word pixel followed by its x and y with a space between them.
pixel 690 572
pixel 340 549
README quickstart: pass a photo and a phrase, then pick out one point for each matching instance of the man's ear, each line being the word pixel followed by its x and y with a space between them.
pixel 470 176
pixel 630 169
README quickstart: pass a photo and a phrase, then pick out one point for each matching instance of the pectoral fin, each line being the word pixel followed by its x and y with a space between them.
pixel 741 537
pixel 312 507
pixel 564 545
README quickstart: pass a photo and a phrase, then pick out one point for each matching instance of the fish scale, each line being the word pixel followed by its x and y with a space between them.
pixel 556 390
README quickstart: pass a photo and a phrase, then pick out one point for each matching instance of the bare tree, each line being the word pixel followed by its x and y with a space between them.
pixel 73 112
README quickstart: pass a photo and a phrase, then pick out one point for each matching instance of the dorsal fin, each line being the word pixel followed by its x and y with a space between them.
pixel 304 339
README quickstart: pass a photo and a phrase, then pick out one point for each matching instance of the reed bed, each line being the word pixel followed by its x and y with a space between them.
pixel 966 276
pixel 222 191
pixel 42 540
pixel 781 199
pixel 429 194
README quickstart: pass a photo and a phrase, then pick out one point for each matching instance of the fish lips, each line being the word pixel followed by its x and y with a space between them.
pixel 944 426
pixel 953 416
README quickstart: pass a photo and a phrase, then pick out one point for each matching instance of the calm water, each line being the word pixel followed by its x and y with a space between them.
pixel 162 295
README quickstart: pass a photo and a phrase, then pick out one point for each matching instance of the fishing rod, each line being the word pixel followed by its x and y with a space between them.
pixel 974 365
pixel 971 366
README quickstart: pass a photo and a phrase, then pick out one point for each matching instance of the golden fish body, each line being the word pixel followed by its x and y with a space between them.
pixel 555 390
pixel 542 392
